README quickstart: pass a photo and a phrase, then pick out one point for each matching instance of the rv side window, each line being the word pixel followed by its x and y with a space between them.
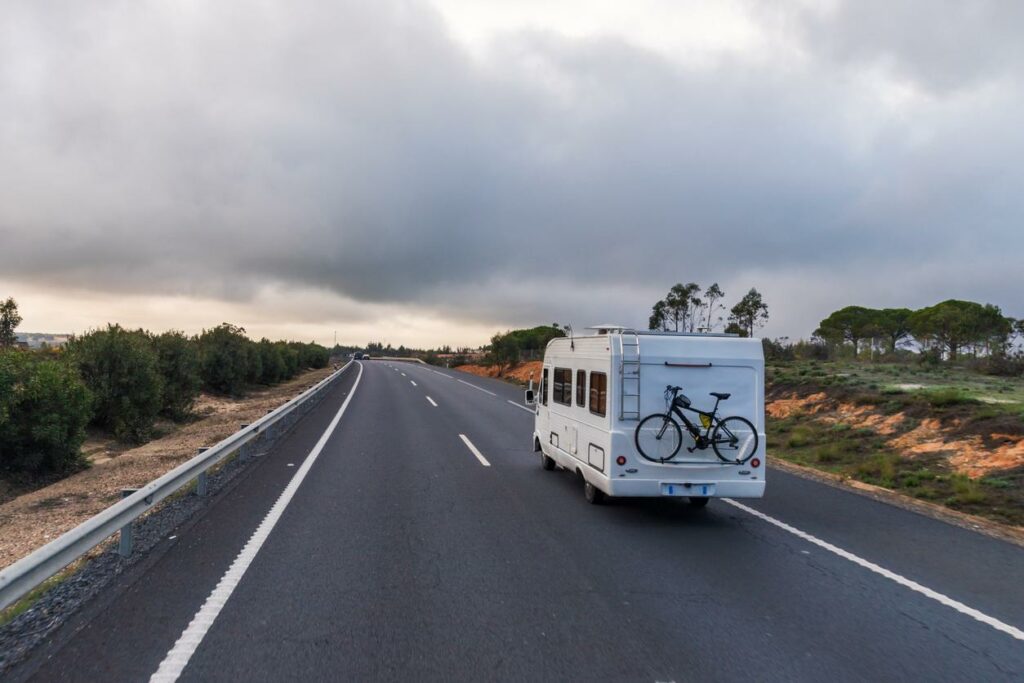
pixel 581 388
pixel 544 387
pixel 563 386
pixel 598 393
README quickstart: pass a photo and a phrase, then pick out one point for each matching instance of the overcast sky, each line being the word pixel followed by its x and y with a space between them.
pixel 431 172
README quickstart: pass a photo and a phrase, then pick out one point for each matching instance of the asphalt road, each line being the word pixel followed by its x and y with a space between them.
pixel 402 556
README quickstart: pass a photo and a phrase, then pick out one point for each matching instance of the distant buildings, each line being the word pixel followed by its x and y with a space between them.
pixel 39 340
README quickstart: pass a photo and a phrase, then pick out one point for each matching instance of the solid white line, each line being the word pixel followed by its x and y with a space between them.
pixel 177 659
pixel 521 407
pixel 477 388
pixel 431 401
pixel 412 383
pixel 882 571
pixel 471 447
pixel 441 373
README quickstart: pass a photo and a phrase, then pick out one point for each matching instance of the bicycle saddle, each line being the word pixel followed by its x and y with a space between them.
pixel 720 397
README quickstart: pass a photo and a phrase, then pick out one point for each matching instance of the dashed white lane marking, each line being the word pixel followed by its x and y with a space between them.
pixel 472 448
pixel 476 387
pixel 521 407
pixel 412 383
pixel 403 374
pixel 431 401
pixel 1012 631
pixel 177 659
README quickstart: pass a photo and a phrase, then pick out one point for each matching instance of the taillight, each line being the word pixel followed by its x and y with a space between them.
pixel 621 460
pixel 756 462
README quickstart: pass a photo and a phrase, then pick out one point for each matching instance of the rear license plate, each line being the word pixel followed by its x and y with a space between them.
pixel 688 490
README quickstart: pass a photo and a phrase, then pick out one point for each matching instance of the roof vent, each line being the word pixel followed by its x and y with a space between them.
pixel 608 328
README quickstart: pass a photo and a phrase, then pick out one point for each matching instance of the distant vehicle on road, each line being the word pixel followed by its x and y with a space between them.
pixel 606 404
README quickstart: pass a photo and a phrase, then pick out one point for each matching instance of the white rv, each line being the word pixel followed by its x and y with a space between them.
pixel 595 391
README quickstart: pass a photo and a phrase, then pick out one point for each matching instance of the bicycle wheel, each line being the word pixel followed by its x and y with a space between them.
pixel 734 440
pixel 658 437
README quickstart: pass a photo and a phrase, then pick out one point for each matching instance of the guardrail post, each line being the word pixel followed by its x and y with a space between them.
pixel 202 481
pixel 124 545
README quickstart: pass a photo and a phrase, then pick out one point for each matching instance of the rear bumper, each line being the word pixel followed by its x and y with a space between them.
pixel 647 488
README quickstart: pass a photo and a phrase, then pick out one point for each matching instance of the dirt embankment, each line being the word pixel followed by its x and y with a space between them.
pixel 34 519
pixel 968 447
pixel 521 373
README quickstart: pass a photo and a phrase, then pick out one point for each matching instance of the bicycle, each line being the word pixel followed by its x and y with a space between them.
pixel 658 437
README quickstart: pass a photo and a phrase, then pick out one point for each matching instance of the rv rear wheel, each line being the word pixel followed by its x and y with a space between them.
pixel 594 495
pixel 546 462
pixel 698 501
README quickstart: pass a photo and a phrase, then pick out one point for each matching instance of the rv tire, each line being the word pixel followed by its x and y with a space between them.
pixel 698 501
pixel 594 495
pixel 546 462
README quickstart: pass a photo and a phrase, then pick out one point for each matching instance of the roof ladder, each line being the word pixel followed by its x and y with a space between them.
pixel 629 375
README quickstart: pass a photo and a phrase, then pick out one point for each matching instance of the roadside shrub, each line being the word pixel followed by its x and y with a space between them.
pixel 315 356
pixel 223 357
pixel 291 359
pixel 121 369
pixel 178 362
pixel 800 437
pixel 879 469
pixel 1002 365
pixel 271 362
pixel 253 363
pixel 966 490
pixel 44 408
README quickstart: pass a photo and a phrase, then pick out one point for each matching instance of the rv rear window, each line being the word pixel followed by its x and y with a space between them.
pixel 598 393
pixel 562 386
pixel 581 388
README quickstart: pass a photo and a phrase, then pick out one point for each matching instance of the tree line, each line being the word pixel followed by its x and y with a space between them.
pixel 688 308
pixel 948 329
pixel 122 381
pixel 508 348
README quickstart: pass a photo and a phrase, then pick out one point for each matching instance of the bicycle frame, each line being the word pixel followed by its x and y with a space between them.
pixel 693 429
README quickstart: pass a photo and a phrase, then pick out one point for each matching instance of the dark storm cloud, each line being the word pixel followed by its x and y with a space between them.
pixel 213 148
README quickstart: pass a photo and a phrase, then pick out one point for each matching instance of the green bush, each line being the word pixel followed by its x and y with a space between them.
pixel 314 356
pixel 949 396
pixel 178 362
pixel 271 362
pixel 291 359
pixel 253 363
pixel 224 359
pixel 966 490
pixel 44 408
pixel 800 437
pixel 121 369
pixel 879 469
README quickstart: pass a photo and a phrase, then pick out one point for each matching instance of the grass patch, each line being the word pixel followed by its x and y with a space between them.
pixel 23 605
pixel 967 491
pixel 946 396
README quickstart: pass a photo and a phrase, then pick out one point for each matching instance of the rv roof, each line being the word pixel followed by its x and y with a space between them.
pixel 608 328
pixel 612 329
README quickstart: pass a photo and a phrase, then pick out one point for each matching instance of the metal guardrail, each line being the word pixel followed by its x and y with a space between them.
pixel 21 577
